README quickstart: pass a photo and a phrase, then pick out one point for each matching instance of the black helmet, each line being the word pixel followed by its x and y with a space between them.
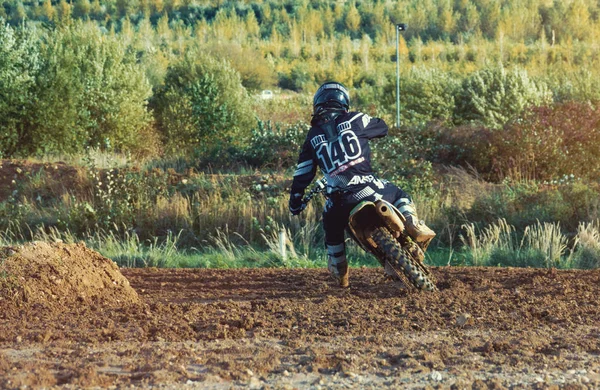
pixel 331 96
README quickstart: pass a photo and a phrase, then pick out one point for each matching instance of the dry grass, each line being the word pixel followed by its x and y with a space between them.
pixel 172 213
pixel 493 237
pixel 232 216
pixel 547 239
pixel 588 245
pixel 542 244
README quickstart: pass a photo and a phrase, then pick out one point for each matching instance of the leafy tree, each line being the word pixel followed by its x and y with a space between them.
pixel 96 9
pixel 428 94
pixel 447 18
pixel 492 96
pixel 470 20
pixel 82 9
pixel 126 7
pixel 19 14
pixel 20 65
pixel 255 71
pixel 91 92
pixel 298 78
pixel 578 19
pixel 201 103
pixel 64 11
pixel 252 26
pixel 157 6
pixel 352 21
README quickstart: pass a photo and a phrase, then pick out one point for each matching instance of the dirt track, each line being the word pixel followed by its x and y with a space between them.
pixel 486 328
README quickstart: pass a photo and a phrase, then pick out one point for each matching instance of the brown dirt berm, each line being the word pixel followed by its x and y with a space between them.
pixel 57 277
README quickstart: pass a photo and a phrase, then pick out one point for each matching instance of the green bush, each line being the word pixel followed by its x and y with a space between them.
pixel 202 103
pixel 20 65
pixel 525 204
pixel 256 72
pixel 580 85
pixel 399 158
pixel 73 87
pixel 493 96
pixel 91 93
pixel 372 95
pixel 298 79
pixel 269 145
pixel 426 94
pixel 468 145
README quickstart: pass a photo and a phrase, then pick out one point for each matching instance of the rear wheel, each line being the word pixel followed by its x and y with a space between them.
pixel 399 264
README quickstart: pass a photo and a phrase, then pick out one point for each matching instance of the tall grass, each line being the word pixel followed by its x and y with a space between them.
pixel 170 219
pixel 130 251
pixel 102 159
pixel 541 245
pixel 588 245
pixel 492 239
pixel 547 240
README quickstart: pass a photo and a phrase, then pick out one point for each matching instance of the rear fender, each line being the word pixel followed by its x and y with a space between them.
pixel 368 216
pixel 362 222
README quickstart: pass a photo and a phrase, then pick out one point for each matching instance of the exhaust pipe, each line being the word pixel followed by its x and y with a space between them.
pixel 390 218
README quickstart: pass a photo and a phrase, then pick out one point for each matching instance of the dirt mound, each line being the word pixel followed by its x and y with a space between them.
pixel 58 276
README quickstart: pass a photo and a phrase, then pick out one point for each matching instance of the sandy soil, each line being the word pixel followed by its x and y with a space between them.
pixel 488 328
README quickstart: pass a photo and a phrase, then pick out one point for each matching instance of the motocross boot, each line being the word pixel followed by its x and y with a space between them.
pixel 416 228
pixel 337 264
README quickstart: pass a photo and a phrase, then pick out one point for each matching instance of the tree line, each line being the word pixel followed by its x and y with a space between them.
pixel 155 76
pixel 554 21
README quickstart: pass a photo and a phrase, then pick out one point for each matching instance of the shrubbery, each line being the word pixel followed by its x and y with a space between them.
pixel 20 65
pixel 91 93
pixel 426 94
pixel 202 103
pixel 578 85
pixel 493 96
pixel 270 145
pixel 256 74
pixel 74 87
pixel 399 158
pixel 548 143
pixel 429 94
pixel 551 142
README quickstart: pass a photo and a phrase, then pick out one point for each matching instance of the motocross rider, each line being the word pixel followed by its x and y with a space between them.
pixel 338 143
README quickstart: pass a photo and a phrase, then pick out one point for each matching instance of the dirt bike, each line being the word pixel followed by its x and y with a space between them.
pixel 379 228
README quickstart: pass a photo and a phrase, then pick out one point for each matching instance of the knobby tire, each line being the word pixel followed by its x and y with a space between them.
pixel 402 264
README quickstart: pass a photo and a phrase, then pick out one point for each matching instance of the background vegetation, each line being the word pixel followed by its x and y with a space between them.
pixel 156 102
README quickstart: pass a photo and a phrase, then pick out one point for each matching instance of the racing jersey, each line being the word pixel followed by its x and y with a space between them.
pixel 346 160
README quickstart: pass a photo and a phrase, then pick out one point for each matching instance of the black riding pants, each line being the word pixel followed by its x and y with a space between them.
pixel 339 205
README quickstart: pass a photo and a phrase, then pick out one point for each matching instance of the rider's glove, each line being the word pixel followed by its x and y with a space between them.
pixel 296 204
